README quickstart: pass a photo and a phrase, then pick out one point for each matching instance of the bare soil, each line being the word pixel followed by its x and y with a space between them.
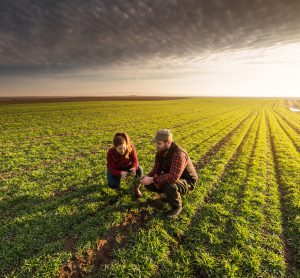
pixel 102 254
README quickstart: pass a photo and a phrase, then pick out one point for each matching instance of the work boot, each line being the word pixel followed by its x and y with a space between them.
pixel 137 191
pixel 175 212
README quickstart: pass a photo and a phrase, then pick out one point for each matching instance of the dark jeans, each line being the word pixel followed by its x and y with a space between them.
pixel 114 181
pixel 173 191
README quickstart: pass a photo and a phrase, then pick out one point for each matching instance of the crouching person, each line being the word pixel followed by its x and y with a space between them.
pixel 122 161
pixel 173 173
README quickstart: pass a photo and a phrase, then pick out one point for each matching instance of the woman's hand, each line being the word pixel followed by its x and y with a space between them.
pixel 133 172
pixel 123 174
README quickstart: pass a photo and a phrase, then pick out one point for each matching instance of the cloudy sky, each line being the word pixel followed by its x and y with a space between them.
pixel 150 47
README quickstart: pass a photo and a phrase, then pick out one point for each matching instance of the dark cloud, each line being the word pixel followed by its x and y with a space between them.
pixel 49 36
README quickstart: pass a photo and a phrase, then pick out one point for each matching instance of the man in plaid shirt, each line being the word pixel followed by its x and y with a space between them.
pixel 173 173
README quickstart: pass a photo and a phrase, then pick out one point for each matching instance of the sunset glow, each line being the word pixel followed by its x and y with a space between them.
pixel 218 50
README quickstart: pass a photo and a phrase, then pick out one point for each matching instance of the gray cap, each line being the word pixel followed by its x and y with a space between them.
pixel 162 135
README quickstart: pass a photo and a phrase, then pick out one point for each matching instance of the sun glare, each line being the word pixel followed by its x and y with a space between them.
pixel 272 71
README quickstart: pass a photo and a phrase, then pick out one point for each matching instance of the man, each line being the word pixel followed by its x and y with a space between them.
pixel 173 173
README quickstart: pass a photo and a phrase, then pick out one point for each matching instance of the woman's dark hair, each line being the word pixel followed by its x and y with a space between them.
pixel 121 138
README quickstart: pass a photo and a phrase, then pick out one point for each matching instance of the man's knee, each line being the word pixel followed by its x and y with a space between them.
pixel 173 195
pixel 180 186
pixel 153 188
pixel 170 188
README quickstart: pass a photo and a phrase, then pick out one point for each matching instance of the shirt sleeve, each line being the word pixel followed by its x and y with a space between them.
pixel 155 169
pixel 178 165
pixel 111 165
pixel 134 159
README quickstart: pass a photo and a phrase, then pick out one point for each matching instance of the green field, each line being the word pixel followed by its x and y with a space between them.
pixel 59 218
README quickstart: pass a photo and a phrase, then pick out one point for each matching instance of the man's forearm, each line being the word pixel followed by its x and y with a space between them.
pixel 165 178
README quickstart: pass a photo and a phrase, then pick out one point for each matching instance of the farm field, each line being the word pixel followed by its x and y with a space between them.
pixel 58 218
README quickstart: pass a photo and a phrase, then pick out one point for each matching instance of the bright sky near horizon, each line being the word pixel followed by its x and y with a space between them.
pixel 191 47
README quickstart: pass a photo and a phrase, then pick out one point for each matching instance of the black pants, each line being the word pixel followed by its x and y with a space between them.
pixel 173 191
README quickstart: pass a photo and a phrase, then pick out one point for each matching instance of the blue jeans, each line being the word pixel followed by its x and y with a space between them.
pixel 114 181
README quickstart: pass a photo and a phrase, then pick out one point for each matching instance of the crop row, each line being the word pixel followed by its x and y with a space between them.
pixel 287 166
pixel 222 241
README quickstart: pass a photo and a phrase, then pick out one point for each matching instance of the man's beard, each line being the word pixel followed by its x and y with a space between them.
pixel 163 150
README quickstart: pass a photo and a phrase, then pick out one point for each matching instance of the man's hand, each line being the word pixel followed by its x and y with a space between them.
pixel 123 174
pixel 132 172
pixel 146 180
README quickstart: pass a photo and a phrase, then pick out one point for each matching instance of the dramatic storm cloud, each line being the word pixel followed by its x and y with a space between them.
pixel 117 37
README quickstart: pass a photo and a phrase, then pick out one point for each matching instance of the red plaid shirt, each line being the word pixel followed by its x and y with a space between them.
pixel 179 162
pixel 117 163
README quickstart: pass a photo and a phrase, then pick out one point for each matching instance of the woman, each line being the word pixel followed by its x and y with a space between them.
pixel 122 161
